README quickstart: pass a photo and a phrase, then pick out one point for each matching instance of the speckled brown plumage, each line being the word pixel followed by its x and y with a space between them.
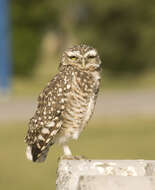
pixel 66 103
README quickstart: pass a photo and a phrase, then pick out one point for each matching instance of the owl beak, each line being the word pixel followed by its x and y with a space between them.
pixel 83 63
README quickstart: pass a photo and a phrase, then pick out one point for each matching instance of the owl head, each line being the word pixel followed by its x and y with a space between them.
pixel 82 57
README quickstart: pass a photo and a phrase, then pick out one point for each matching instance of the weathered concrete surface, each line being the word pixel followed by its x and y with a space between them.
pixel 116 183
pixel 73 174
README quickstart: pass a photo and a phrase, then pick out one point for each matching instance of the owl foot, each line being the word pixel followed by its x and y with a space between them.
pixel 70 157
pixel 79 157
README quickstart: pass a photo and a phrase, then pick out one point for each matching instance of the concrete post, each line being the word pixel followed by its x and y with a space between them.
pixel 106 174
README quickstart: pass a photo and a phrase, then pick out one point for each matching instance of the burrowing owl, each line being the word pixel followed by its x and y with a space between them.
pixel 66 103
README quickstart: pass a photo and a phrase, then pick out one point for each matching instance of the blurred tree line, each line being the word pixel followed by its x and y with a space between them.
pixel 122 31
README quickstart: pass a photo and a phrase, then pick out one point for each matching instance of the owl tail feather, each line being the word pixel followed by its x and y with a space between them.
pixel 34 154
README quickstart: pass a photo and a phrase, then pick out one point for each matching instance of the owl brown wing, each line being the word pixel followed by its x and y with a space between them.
pixel 47 120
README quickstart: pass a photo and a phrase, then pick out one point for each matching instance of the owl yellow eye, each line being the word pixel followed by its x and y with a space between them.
pixel 73 57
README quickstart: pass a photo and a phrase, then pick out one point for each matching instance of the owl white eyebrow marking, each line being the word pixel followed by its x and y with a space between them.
pixel 73 53
pixel 91 53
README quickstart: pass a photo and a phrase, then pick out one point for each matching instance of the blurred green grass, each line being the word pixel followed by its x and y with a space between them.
pixel 119 138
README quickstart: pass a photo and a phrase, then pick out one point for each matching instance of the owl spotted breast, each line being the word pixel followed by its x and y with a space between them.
pixel 66 104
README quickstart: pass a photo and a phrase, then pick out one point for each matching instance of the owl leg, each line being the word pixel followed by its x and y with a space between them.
pixel 68 155
pixel 67 151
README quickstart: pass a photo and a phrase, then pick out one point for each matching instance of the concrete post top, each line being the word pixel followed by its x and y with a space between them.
pixel 72 173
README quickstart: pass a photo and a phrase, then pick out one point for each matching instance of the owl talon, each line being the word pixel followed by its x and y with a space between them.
pixel 70 157
pixel 67 157
pixel 79 157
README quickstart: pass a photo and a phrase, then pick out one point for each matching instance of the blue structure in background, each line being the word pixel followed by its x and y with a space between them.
pixel 5 53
